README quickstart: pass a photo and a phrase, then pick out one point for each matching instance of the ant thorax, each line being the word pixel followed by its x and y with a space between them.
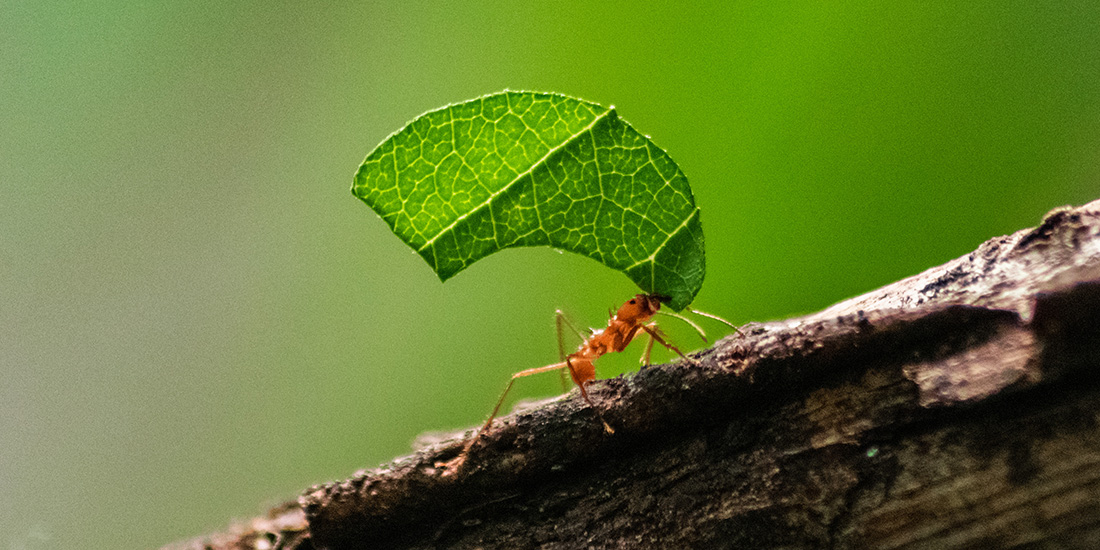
pixel 594 344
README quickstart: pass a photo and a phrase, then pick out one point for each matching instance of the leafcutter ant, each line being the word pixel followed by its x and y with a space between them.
pixel 632 319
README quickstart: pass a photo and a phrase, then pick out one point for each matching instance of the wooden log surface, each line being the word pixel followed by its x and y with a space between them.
pixel 958 408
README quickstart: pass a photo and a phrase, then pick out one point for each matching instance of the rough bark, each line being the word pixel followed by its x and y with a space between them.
pixel 959 408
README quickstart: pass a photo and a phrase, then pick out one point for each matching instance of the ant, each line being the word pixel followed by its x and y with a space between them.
pixel 632 319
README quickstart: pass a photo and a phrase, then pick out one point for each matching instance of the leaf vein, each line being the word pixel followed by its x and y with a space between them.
pixel 516 179
pixel 661 246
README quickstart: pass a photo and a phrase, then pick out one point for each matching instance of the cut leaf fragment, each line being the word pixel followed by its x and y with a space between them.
pixel 535 169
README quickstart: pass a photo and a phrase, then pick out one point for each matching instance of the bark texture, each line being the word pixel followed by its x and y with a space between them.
pixel 959 408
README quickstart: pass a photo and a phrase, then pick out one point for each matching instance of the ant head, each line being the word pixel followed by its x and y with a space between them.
pixel 661 298
pixel 639 308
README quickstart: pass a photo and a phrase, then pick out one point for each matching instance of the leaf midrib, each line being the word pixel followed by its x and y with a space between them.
pixel 518 177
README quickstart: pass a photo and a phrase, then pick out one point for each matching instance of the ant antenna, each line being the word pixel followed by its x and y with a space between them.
pixel 702 334
pixel 717 318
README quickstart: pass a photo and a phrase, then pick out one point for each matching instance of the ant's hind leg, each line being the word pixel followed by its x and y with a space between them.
pixel 520 374
pixel 496 409
pixel 456 464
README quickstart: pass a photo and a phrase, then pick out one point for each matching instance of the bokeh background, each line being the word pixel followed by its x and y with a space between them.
pixel 198 320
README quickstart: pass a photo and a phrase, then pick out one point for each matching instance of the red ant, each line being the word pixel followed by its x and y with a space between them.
pixel 628 322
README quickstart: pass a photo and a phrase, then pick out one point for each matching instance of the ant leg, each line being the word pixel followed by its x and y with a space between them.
pixel 496 409
pixel 648 349
pixel 559 320
pixel 520 374
pixel 456 464
pixel 584 393
pixel 654 333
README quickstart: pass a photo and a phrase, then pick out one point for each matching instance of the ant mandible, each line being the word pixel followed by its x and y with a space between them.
pixel 632 319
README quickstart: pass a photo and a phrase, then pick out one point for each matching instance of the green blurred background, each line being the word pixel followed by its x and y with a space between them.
pixel 197 319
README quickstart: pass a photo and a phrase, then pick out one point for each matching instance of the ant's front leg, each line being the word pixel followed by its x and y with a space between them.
pixel 655 334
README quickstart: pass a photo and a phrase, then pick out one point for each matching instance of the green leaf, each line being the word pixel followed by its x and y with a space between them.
pixel 533 169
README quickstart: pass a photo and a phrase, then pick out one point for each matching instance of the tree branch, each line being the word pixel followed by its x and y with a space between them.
pixel 953 409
